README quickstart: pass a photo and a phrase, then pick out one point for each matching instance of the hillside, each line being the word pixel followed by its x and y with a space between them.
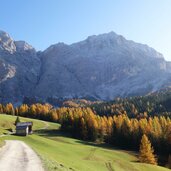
pixel 60 152
pixel 7 124
pixel 100 67
pixel 155 104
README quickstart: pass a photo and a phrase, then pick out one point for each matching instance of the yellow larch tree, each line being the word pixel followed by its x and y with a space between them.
pixel 146 153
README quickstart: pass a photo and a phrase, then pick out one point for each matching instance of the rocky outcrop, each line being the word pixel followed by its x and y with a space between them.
pixel 19 69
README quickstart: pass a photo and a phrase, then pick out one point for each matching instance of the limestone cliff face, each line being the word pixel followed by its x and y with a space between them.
pixel 100 67
pixel 19 69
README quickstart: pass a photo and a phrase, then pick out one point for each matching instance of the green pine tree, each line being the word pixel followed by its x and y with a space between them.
pixel 17 120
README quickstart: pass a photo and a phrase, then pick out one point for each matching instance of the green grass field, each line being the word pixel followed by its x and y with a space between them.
pixel 7 123
pixel 59 152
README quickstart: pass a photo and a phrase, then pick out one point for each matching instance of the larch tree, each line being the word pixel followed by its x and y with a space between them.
pixel 9 109
pixel 146 152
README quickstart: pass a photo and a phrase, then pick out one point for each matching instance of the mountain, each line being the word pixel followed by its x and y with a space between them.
pixel 101 67
pixel 19 69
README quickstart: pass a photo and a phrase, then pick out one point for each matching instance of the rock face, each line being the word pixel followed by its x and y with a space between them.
pixel 100 67
pixel 19 69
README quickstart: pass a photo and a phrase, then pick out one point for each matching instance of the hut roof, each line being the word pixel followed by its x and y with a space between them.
pixel 24 124
pixel 21 127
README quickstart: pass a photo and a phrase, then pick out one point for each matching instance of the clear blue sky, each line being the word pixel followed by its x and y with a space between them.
pixel 45 22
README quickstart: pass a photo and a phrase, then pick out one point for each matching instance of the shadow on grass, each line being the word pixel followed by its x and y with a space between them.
pixel 52 133
pixel 9 130
pixel 108 146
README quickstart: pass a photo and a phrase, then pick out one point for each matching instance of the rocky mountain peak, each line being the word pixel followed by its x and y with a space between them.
pixel 6 42
pixel 23 46
pixel 56 47
pixel 106 36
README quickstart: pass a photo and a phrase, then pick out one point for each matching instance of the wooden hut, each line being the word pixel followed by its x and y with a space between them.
pixel 24 128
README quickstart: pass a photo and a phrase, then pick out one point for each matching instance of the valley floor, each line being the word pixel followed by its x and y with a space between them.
pixel 60 152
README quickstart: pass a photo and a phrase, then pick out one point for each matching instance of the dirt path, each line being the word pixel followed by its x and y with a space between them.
pixel 109 166
pixel 17 156
pixel 46 125
pixel 91 154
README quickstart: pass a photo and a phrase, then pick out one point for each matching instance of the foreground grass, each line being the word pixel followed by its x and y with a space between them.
pixel 59 152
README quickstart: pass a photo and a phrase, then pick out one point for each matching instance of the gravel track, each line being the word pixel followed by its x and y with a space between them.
pixel 17 156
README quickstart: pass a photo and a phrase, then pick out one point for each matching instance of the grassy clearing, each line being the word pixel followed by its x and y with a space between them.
pixel 7 123
pixel 60 152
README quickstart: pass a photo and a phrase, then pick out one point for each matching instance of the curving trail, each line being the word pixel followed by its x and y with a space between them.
pixel 46 125
pixel 17 156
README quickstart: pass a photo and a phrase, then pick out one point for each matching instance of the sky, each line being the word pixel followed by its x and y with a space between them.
pixel 45 22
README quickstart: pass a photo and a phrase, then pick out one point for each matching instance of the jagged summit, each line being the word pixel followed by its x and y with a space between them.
pixel 3 34
pixel 23 46
pixel 9 45
pixel 112 42
pixel 110 35
pixel 6 42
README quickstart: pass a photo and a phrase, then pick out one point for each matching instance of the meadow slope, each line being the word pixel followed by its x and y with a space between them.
pixel 60 152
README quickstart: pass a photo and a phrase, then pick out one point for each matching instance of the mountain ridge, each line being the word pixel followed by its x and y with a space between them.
pixel 102 67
